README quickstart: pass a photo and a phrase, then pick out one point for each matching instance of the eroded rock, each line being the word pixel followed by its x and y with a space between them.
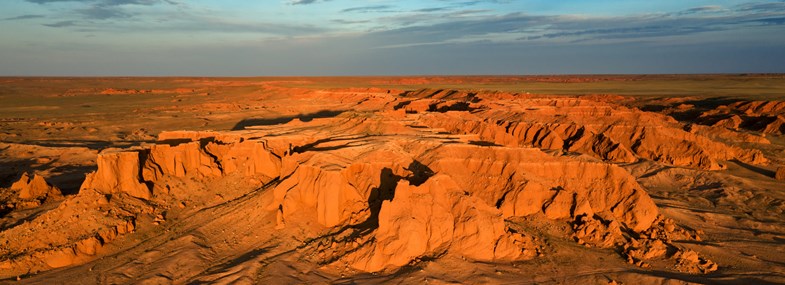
pixel 34 187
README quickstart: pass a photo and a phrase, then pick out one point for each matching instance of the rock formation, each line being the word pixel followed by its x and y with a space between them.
pixel 118 171
pixel 34 187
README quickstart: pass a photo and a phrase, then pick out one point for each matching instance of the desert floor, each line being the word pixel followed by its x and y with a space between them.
pixel 650 179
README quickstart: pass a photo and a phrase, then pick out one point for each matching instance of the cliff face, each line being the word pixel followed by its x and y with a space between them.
pixel 118 172
pixel 133 172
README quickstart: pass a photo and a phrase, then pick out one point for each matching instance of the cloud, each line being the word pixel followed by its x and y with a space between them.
pixel 464 3
pixel 99 12
pixel 103 2
pixel 23 17
pixel 762 7
pixel 434 9
pixel 201 24
pixel 630 32
pixel 53 1
pixel 441 24
pixel 426 18
pixel 770 21
pixel 304 2
pixel 451 28
pixel 702 10
pixel 365 9
pixel 107 9
pixel 120 16
pixel 61 24
pixel 346 22
pixel 130 2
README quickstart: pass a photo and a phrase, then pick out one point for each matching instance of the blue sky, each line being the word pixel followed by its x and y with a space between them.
pixel 379 37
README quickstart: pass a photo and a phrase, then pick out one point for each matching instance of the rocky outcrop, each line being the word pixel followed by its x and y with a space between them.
pixel 726 135
pixel 436 217
pixel 185 159
pixel 758 108
pixel 340 186
pixel 780 174
pixel 249 158
pixel 767 117
pixel 131 171
pixel 34 187
pixel 733 122
pixel 564 126
pixel 118 172
pixel 521 182
pixel 775 125
pixel 545 136
pixel 73 233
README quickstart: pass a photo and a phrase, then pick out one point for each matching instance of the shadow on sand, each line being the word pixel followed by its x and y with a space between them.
pixel 67 177
pixel 283 120
pixel 711 278
pixel 759 170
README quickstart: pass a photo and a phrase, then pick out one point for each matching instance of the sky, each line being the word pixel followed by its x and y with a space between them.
pixel 380 37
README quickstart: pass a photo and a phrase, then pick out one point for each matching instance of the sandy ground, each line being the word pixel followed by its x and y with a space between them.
pixel 337 180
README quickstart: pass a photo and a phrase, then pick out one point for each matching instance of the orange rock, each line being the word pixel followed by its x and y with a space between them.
pixel 777 126
pixel 118 172
pixel 501 176
pixel 34 187
pixel 59 257
pixel 560 205
pixel 88 246
pixel 337 188
pixel 594 128
pixel 691 262
pixel 780 174
pixel 529 200
pixel 179 161
pixel 249 158
pixel 432 218
pixel 734 122
pixel 594 232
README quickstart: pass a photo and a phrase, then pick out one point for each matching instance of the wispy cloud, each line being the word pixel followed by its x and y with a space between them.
pixel 452 29
pixel 203 24
pixel 98 12
pixel 448 22
pixel 365 9
pixel 304 2
pixel 104 2
pixel 23 17
pixel 347 22
pixel 463 3
pixel 762 7
pixel 61 24
pixel 107 9
pixel 53 1
pixel 433 9
pixel 121 16
pixel 702 10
